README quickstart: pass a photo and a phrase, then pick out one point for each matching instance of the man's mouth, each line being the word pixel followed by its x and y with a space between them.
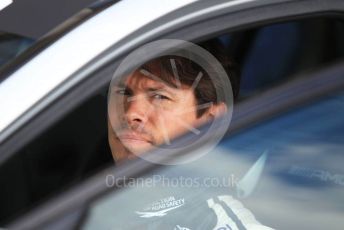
pixel 132 137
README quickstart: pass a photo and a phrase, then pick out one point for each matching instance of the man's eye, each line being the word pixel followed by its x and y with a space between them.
pixel 160 97
pixel 123 92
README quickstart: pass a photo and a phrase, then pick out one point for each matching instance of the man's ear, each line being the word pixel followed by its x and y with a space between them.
pixel 217 110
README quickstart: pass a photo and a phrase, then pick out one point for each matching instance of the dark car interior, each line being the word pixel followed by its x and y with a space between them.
pixel 76 146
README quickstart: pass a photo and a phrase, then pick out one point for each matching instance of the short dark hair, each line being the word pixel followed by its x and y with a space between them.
pixel 205 91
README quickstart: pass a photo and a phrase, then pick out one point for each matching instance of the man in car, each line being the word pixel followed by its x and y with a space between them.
pixel 161 100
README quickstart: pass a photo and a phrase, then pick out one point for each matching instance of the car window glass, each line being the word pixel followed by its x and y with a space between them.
pixel 76 146
pixel 271 55
pixel 272 175
pixel 62 155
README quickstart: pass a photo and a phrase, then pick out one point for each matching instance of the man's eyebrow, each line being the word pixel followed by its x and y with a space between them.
pixel 155 88
pixel 120 84
pixel 159 88
pixel 150 75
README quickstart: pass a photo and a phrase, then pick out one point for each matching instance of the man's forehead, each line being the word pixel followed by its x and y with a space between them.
pixel 144 77
pixel 138 79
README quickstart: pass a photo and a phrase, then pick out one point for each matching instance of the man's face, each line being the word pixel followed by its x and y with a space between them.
pixel 147 112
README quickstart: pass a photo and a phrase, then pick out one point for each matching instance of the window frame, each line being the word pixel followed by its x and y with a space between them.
pixel 91 77
pixel 73 203
pixel 98 73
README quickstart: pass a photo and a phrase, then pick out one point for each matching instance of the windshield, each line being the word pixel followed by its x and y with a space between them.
pixel 271 176
pixel 11 46
pixel 15 50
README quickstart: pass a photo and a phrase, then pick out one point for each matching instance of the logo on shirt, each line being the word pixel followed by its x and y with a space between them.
pixel 161 207
pixel 180 228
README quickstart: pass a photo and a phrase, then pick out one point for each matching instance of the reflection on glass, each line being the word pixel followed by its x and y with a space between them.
pixel 284 174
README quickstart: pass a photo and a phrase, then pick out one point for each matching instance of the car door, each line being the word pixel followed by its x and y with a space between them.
pixel 269 171
pixel 273 173
pixel 202 21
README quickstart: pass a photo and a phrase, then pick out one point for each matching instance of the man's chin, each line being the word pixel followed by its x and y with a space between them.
pixel 136 146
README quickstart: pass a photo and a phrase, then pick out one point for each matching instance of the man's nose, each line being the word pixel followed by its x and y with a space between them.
pixel 137 108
